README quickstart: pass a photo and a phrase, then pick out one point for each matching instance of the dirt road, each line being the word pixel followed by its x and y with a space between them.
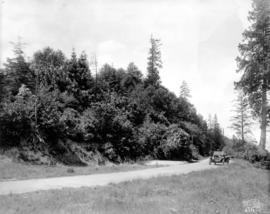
pixel 24 186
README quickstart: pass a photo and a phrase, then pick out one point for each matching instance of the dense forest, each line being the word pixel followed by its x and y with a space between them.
pixel 55 109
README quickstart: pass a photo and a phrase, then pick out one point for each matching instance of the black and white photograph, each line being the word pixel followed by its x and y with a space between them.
pixel 134 106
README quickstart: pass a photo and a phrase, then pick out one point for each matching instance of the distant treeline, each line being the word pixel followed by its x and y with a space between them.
pixel 56 107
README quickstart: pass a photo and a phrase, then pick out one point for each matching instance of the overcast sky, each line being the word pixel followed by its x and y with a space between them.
pixel 199 38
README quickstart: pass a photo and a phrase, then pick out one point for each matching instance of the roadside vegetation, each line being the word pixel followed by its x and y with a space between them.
pixel 222 190
pixel 55 109
pixel 248 151
pixel 252 103
pixel 59 109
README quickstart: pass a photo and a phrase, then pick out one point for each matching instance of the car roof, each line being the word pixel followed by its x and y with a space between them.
pixel 218 153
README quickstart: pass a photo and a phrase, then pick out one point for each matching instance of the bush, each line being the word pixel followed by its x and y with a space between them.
pixel 114 131
pixel 248 151
pixel 50 108
pixel 150 137
pixel 69 121
pixel 176 145
pixel 17 120
pixel 79 127
pixel 200 138
pixel 254 153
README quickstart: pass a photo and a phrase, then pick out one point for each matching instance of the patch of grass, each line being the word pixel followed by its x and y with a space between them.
pixel 10 170
pixel 221 190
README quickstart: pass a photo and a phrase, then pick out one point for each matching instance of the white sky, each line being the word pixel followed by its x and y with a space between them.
pixel 199 38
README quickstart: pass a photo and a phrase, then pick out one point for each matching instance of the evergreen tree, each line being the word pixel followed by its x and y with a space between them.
pixel 1 85
pixel 241 121
pixel 254 62
pixel 209 122
pixel 132 78
pixel 184 91
pixel 216 123
pixel 47 64
pixel 154 63
pixel 217 135
pixel 111 79
pixel 81 80
pixel 17 71
pixel 133 71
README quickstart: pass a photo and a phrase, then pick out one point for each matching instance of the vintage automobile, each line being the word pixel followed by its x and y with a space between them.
pixel 219 157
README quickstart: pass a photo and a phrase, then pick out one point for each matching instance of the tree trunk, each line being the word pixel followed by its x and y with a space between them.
pixel 242 126
pixel 263 116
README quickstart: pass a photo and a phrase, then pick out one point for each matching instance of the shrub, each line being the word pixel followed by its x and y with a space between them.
pixel 200 138
pixel 69 121
pixel 248 151
pixel 79 127
pixel 150 137
pixel 17 119
pixel 176 144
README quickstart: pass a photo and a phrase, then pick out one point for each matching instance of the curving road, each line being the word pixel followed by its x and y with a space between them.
pixel 25 186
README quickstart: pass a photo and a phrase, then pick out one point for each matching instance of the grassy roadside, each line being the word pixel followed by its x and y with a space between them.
pixel 10 170
pixel 222 190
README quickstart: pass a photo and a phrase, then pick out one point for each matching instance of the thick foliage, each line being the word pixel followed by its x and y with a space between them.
pixel 176 144
pixel 117 115
pixel 17 119
pixel 248 151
